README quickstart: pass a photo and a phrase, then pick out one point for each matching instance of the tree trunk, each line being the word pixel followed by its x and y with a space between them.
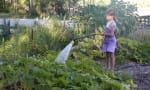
pixel 4 4
pixel 83 3
pixel 30 7
pixel 93 2
pixel 15 6
pixel 69 6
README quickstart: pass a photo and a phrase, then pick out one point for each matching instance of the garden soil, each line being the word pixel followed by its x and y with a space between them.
pixel 139 72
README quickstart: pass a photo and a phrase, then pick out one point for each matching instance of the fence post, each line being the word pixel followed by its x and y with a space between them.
pixel 31 35
pixel 8 27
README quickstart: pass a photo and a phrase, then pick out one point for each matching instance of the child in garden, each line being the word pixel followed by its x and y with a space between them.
pixel 109 43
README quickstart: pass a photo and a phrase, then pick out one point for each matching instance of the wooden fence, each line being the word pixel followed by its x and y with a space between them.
pixel 144 21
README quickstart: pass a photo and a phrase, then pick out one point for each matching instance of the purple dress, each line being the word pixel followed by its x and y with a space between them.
pixel 109 43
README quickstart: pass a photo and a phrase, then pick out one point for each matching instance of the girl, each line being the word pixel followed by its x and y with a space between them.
pixel 109 43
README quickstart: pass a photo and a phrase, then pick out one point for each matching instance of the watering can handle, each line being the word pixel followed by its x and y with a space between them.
pixel 86 36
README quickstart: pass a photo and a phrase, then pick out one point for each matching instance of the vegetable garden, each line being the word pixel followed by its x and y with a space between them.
pixel 27 54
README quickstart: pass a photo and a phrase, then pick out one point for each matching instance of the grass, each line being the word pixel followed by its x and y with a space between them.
pixel 141 35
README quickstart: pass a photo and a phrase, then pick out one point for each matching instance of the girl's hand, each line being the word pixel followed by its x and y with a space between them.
pixel 102 34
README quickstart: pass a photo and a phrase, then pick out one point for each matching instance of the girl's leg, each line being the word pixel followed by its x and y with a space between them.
pixel 112 61
pixel 108 60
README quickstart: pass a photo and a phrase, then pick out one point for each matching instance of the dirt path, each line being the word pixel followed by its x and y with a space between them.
pixel 139 72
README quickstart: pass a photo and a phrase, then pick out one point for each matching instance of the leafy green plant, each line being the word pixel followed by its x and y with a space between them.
pixel 127 50
pixel 132 50
pixel 42 73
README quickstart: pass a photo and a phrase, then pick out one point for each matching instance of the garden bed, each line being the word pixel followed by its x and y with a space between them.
pixel 139 72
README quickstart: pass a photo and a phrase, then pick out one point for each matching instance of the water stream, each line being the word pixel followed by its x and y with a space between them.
pixel 63 55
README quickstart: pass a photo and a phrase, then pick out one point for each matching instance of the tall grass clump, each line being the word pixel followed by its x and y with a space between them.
pixel 44 38
pixel 51 37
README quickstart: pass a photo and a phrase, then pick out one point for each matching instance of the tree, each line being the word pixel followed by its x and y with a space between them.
pixel 126 16
pixel 51 7
pixel 4 6
pixel 30 6
pixel 93 16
